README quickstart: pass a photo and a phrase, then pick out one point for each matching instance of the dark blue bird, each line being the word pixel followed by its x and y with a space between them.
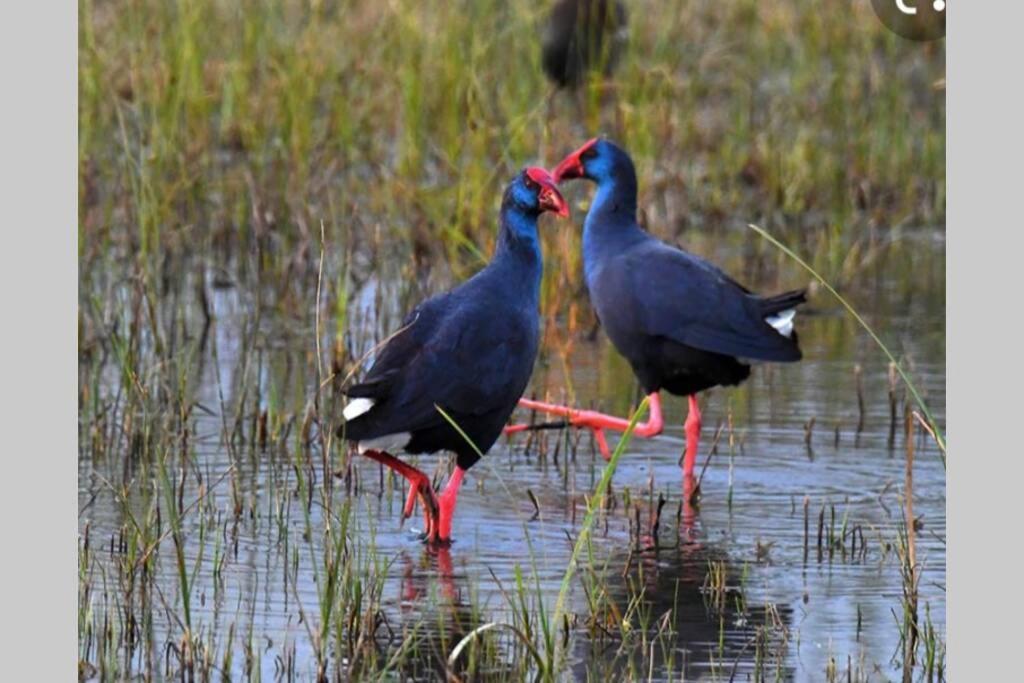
pixel 682 323
pixel 583 35
pixel 469 352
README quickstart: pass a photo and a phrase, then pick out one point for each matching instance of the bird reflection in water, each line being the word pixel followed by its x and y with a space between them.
pixel 437 613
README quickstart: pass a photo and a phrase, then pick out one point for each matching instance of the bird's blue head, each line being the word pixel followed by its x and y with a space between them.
pixel 527 196
pixel 599 160
pixel 533 192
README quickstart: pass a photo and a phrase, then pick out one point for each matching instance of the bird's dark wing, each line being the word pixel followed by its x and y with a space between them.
pixel 400 349
pixel 684 298
pixel 468 358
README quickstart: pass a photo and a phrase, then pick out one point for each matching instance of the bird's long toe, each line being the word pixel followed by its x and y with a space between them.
pixel 423 491
pixel 410 501
pixel 420 488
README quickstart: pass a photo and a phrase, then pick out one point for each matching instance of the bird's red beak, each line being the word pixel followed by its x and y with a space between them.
pixel 572 166
pixel 548 198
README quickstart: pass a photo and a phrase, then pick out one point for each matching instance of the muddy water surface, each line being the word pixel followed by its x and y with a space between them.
pixel 782 609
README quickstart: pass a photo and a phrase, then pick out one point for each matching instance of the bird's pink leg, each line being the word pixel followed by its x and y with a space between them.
pixel 597 422
pixel 692 429
pixel 446 503
pixel 689 516
pixel 419 487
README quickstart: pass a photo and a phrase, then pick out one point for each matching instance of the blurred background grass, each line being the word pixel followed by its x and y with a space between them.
pixel 222 129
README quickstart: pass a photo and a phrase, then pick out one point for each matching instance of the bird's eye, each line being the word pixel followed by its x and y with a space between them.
pixel 588 154
pixel 530 185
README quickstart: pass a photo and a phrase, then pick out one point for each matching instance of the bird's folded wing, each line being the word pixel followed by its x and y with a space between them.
pixel 400 350
pixel 464 361
pixel 694 303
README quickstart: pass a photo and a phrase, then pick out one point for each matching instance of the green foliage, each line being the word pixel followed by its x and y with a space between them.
pixel 207 124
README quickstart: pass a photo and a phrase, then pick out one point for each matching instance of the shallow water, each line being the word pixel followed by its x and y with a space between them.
pixel 256 583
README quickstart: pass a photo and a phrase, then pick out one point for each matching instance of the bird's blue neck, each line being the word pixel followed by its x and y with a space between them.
pixel 611 220
pixel 517 254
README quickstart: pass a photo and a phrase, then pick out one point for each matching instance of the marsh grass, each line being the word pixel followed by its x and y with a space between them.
pixel 210 128
pixel 155 404
pixel 236 158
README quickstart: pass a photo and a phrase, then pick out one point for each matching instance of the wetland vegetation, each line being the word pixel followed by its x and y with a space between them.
pixel 265 188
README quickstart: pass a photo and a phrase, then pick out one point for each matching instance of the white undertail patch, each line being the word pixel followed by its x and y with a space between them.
pixel 356 407
pixel 783 322
pixel 389 443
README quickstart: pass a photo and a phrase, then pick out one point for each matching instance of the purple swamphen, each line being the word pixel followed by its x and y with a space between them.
pixel 468 352
pixel 682 323
pixel 583 35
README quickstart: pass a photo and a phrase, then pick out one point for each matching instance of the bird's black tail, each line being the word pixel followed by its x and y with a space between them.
pixel 783 302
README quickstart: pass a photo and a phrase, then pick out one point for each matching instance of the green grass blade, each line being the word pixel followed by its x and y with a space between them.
pixel 588 520
pixel 940 437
